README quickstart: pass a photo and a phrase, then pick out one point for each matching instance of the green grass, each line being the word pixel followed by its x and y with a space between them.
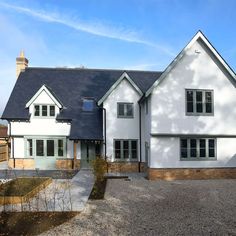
pixel 21 186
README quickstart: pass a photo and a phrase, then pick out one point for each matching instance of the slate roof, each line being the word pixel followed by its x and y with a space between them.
pixel 70 86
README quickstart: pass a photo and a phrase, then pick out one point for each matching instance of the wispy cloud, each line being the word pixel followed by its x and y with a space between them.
pixel 145 66
pixel 98 29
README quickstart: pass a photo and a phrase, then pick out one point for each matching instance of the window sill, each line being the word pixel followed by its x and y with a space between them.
pixel 198 159
pixel 200 114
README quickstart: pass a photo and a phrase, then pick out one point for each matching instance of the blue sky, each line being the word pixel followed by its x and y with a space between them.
pixel 124 34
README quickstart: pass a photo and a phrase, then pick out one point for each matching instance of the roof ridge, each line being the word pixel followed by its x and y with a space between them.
pixel 92 69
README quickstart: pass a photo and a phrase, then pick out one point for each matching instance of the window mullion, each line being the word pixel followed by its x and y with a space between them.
pixel 204 101
pixel 130 152
pixel 194 102
pixel 198 148
pixel 121 150
pixel 207 148
pixel 45 147
pixel 188 148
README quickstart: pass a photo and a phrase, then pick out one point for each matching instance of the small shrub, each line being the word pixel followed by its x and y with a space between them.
pixel 99 168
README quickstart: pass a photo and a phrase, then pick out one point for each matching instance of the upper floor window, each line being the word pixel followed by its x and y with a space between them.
pixel 199 102
pixel 44 110
pixel 125 110
pixel 88 104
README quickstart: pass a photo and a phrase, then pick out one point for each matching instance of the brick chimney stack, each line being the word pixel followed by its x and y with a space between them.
pixel 21 63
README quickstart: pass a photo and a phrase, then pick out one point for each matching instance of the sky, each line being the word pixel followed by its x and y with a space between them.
pixel 122 34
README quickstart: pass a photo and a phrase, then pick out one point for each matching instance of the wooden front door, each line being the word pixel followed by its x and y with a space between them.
pixel 87 153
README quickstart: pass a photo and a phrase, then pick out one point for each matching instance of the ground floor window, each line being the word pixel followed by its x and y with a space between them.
pixel 198 148
pixel 45 147
pixel 126 149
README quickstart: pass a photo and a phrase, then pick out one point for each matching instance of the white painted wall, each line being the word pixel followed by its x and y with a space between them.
pixel 194 71
pixel 165 153
pixel 119 128
pixel 19 148
pixel 38 125
pixel 146 126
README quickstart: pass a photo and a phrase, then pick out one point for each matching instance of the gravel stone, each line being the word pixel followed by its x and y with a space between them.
pixel 142 207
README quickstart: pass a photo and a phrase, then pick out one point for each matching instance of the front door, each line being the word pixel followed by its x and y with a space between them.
pixel 87 153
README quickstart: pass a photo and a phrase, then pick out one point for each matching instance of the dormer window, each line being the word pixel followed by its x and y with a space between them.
pixel 44 110
pixel 88 104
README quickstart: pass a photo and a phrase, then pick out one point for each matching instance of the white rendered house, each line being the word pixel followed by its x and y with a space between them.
pixel 179 123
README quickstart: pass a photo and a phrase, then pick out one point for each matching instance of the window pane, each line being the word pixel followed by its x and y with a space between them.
pixel 39 148
pixel 117 149
pixel 30 147
pixel 134 154
pixel 88 104
pixel 134 149
pixel 44 110
pixel 193 147
pixel 36 110
pixel 202 148
pixel 117 154
pixel 60 148
pixel 208 108
pixel 52 110
pixel 184 153
pixel 129 110
pixel 126 144
pixel 189 96
pixel 121 109
pixel 184 150
pixel 126 154
pixel 134 144
pixel 189 106
pixel 208 97
pixel 50 147
pixel 117 144
pixel 126 149
pixel 198 96
pixel 211 145
pixel 184 143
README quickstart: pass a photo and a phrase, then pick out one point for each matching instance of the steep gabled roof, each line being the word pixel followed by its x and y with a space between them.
pixel 49 92
pixel 198 35
pixel 69 87
pixel 113 87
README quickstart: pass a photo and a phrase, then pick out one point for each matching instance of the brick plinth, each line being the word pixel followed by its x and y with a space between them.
pixel 22 163
pixel 193 173
pixel 125 167
pixel 67 164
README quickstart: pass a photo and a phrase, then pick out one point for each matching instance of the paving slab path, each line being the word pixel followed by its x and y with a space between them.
pixel 60 195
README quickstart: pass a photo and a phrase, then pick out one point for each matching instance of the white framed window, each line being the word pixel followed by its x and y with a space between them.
pixel 197 148
pixel 44 111
pixel 125 110
pixel 199 102
pixel 45 147
pixel 126 150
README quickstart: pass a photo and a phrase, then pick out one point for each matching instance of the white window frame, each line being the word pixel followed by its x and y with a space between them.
pixel 125 110
pixel 198 158
pixel 55 139
pixel 122 159
pixel 203 113
pixel 41 111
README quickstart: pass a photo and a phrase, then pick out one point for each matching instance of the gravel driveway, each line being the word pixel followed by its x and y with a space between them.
pixel 142 207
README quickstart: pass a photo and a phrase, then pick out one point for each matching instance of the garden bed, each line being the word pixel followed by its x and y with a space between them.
pixel 31 223
pixel 21 189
